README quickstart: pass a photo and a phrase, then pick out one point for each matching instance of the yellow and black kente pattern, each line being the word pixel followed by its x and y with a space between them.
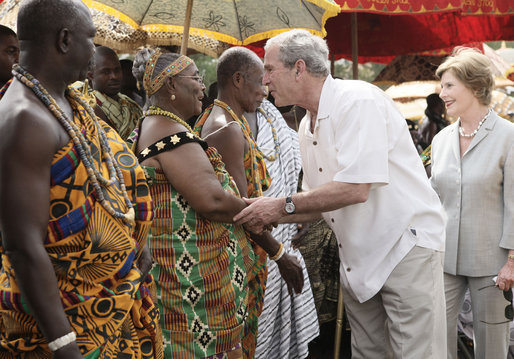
pixel 105 296
pixel 123 114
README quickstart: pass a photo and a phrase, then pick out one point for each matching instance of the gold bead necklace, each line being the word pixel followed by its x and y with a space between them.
pixel 155 110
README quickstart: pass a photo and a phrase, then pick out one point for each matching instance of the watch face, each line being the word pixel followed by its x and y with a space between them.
pixel 289 207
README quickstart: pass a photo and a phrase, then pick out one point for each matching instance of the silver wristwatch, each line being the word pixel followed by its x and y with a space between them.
pixel 289 207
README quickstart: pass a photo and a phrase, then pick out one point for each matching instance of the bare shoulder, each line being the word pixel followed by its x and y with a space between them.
pixel 218 119
pixel 28 128
pixel 220 125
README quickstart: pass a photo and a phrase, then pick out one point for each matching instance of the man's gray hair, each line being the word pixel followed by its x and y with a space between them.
pixel 300 44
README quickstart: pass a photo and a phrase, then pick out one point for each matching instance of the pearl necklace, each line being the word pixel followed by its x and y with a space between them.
pixel 155 110
pixel 472 134
pixel 275 137
pixel 95 176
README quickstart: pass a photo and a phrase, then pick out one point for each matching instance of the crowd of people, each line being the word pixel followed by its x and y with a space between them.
pixel 137 222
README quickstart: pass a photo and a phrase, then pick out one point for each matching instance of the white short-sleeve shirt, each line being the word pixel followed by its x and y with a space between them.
pixel 361 137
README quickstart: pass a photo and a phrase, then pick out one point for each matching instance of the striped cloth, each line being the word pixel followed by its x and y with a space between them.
pixel 287 324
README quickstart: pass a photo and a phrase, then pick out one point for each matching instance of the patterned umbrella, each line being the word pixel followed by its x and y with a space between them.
pixel 422 67
pixel 389 28
pixel 112 32
pixel 232 21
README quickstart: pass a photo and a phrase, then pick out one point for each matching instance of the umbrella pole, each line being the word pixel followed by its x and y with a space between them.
pixel 355 47
pixel 187 24
pixel 339 323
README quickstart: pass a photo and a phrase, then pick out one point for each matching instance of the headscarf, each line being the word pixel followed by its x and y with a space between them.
pixel 153 84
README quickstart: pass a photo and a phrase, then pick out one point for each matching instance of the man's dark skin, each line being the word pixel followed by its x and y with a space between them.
pixel 56 42
pixel 242 90
pixel 129 83
pixel 9 53
pixel 106 76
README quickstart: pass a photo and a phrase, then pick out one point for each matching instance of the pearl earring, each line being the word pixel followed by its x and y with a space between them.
pixel 173 97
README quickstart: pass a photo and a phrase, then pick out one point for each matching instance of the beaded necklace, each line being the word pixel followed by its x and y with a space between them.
pixel 472 134
pixel 5 87
pixel 94 175
pixel 155 110
pixel 247 134
pixel 275 137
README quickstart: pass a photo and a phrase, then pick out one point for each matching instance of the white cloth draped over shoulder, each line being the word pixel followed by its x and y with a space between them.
pixel 287 324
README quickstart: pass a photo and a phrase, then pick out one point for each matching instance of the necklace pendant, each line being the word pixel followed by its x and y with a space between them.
pixel 130 217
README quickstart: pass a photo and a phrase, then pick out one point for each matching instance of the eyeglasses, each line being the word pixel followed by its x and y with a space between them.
pixel 198 78
pixel 509 309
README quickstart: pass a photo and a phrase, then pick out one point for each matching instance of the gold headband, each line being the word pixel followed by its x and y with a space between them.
pixel 153 85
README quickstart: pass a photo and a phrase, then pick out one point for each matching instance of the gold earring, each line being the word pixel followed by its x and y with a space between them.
pixel 173 97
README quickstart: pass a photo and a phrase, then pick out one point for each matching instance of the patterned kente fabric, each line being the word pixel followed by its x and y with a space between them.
pixel 200 265
pixel 257 277
pixel 123 115
pixel 104 295
pixel 426 156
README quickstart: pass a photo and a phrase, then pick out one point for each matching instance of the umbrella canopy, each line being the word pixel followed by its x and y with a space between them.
pixel 112 32
pixel 386 30
pixel 422 67
pixel 412 90
pixel 377 31
pixel 405 68
pixel 236 22
pixel 507 54
pixel 423 6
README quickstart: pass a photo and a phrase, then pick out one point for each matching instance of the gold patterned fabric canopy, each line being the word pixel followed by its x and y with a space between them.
pixel 112 32
pixel 236 22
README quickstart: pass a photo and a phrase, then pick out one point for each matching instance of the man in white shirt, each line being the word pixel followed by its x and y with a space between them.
pixel 363 174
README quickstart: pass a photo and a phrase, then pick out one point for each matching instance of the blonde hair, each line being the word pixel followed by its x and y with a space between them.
pixel 472 68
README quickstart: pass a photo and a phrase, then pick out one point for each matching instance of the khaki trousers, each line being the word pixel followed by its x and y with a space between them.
pixel 490 327
pixel 406 318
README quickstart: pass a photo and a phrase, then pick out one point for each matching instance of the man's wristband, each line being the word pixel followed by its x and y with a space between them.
pixel 58 343
pixel 279 253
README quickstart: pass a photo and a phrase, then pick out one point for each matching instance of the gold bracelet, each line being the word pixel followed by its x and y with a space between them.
pixel 510 256
pixel 279 253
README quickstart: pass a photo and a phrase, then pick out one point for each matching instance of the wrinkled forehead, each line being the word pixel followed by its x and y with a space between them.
pixel 256 69
pixel 271 58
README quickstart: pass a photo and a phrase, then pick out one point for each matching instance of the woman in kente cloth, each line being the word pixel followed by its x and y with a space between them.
pixel 201 259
